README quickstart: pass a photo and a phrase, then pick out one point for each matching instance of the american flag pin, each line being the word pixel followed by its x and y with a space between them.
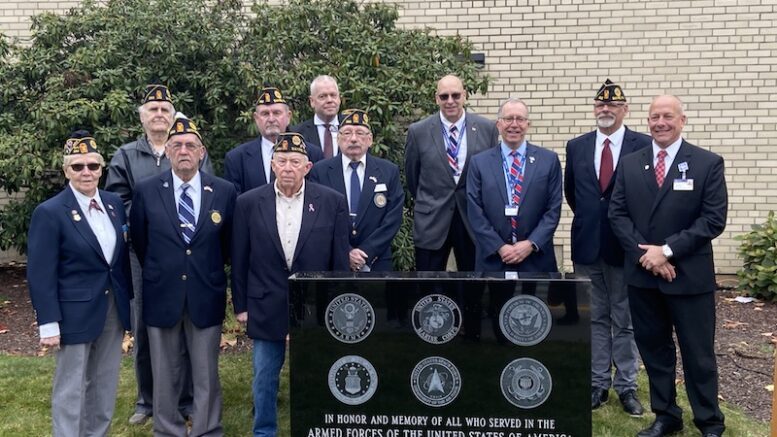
pixel 311 209
pixel 374 179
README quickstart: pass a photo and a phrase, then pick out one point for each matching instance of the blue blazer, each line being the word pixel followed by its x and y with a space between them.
pixel 538 212
pixel 260 282
pixel 244 165
pixel 68 275
pixel 176 274
pixel 375 225
pixel 592 235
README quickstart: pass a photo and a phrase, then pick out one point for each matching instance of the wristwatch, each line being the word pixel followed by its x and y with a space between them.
pixel 667 251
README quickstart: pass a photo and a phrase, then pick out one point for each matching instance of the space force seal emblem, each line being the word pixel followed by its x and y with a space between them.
pixel 525 320
pixel 435 381
pixel 350 318
pixel 436 319
pixel 352 380
pixel 526 383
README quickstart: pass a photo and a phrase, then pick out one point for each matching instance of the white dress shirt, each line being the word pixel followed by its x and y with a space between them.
pixel 671 152
pixel 616 144
pixel 462 136
pixel 194 191
pixel 288 217
pixel 334 127
pixel 267 148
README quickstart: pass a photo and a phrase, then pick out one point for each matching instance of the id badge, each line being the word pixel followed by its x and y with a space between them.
pixel 683 185
pixel 511 211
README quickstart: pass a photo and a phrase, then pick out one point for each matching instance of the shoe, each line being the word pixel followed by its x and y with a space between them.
pixel 599 397
pixel 660 429
pixel 139 419
pixel 631 404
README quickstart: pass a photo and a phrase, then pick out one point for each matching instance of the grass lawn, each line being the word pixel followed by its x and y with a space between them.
pixel 25 390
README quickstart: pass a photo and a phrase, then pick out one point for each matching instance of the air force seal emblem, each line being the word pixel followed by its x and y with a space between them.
pixel 350 318
pixel 435 381
pixel 526 383
pixel 352 380
pixel 436 319
pixel 525 320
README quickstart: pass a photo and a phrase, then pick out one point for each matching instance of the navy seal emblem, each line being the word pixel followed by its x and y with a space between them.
pixel 525 320
pixel 352 380
pixel 435 381
pixel 436 319
pixel 526 383
pixel 350 318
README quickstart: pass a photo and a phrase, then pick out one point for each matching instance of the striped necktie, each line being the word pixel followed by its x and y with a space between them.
pixel 186 214
pixel 516 177
pixel 453 149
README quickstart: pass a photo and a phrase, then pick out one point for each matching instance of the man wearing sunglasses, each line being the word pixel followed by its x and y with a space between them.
pixel 596 253
pixel 437 153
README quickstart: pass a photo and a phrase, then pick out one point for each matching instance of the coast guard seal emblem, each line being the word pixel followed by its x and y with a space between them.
pixel 435 381
pixel 352 380
pixel 526 383
pixel 525 320
pixel 350 318
pixel 436 319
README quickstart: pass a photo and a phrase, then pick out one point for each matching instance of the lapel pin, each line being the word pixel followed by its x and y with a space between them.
pixel 531 160
pixel 207 188
pixel 110 206
pixel 647 166
pixel 474 129
pixel 76 215
pixel 374 179
pixel 165 185
pixel 311 209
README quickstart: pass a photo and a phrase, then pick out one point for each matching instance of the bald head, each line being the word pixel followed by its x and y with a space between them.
pixel 666 120
pixel 451 97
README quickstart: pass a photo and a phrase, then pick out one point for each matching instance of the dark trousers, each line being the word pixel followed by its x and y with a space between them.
pixel 692 317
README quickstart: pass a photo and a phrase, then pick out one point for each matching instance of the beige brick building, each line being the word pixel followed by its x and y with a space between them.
pixel 719 56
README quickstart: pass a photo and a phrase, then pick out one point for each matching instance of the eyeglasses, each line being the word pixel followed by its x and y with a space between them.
pixel 444 97
pixel 599 105
pixel 356 133
pixel 92 166
pixel 511 120
pixel 294 163
pixel 189 146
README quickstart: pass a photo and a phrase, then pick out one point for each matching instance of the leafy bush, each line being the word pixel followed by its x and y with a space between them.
pixel 85 69
pixel 758 275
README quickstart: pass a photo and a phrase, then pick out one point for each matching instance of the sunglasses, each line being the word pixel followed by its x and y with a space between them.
pixel 92 166
pixel 444 97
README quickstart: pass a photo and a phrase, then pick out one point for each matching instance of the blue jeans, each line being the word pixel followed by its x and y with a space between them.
pixel 268 360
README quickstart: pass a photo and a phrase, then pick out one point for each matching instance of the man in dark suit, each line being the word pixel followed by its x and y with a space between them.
pixel 668 204
pixel 181 231
pixel 79 280
pixel 247 166
pixel 437 153
pixel 514 201
pixel 280 229
pixel 322 129
pixel 596 252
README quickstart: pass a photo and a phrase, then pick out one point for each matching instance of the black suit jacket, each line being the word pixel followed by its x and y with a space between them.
pixel 309 132
pixel 592 235
pixel 688 221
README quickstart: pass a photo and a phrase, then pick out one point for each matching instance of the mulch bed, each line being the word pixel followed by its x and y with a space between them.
pixel 745 340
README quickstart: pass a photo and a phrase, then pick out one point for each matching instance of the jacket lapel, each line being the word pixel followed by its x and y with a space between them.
pixel 167 199
pixel 78 218
pixel 117 226
pixel 372 176
pixel 589 161
pixel 335 174
pixel 439 145
pixel 266 206
pixel 206 202
pixel 255 165
pixel 528 168
pixel 471 132
pixel 497 169
pixel 310 211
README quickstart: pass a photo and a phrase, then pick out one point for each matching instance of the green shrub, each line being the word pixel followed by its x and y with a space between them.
pixel 758 275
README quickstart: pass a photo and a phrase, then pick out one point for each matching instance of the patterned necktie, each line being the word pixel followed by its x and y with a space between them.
pixel 356 189
pixel 605 167
pixel 660 168
pixel 94 205
pixel 516 178
pixel 328 149
pixel 186 214
pixel 453 149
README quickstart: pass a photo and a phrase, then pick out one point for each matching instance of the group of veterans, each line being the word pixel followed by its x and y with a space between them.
pixel 149 252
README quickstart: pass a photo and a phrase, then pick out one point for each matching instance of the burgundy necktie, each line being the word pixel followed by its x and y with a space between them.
pixel 94 205
pixel 327 141
pixel 660 168
pixel 605 167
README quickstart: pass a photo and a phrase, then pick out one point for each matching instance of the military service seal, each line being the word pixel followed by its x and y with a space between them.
pixel 525 320
pixel 436 319
pixel 435 381
pixel 352 380
pixel 350 318
pixel 526 383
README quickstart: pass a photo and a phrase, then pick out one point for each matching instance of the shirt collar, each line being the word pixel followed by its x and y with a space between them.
pixel 458 122
pixel 506 150
pixel 84 200
pixel 347 161
pixel 616 139
pixel 267 143
pixel 671 151
pixel 194 183
pixel 295 196
pixel 319 122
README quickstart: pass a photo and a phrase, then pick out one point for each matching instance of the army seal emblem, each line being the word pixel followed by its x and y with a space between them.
pixel 350 318
pixel 380 200
pixel 436 319
pixel 526 383
pixel 525 320
pixel 352 380
pixel 435 381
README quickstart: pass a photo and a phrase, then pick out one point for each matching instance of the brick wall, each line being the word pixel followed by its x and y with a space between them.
pixel 719 56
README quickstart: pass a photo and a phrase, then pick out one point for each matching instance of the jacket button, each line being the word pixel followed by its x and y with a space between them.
pixel 188 251
pixel 602 199
pixel 353 232
pixel 183 277
pixel 106 291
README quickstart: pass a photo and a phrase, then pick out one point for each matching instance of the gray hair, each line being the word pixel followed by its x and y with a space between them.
pixel 511 100
pixel 319 80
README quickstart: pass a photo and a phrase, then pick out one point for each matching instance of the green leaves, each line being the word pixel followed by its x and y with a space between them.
pixel 758 275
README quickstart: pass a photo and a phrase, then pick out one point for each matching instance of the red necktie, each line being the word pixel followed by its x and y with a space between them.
pixel 605 167
pixel 94 205
pixel 660 168
pixel 327 141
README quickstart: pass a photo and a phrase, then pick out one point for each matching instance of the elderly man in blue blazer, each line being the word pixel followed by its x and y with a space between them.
pixel 79 281
pixel 247 166
pixel 589 177
pixel 279 229
pixel 514 201
pixel 181 230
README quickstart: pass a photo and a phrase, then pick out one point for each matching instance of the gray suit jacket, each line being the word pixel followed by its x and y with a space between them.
pixel 429 178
